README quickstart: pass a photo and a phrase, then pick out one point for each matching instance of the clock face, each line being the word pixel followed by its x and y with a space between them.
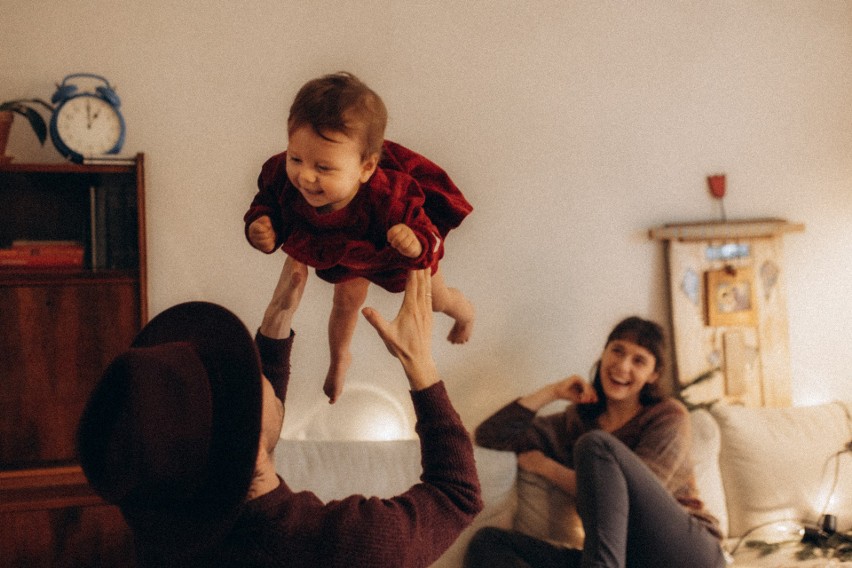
pixel 88 125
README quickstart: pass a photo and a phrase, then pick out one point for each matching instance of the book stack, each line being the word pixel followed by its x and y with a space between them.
pixel 42 254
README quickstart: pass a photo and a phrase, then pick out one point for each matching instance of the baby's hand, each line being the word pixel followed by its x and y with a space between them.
pixel 403 239
pixel 261 234
pixel 575 389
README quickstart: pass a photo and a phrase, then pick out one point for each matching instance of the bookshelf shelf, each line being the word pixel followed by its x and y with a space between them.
pixel 58 276
pixel 60 326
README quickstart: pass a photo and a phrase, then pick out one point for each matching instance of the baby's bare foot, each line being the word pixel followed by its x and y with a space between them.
pixel 463 328
pixel 335 378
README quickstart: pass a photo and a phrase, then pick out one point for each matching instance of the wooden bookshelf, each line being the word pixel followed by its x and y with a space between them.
pixel 59 329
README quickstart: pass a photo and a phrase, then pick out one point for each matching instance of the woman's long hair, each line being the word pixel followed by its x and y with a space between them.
pixel 647 334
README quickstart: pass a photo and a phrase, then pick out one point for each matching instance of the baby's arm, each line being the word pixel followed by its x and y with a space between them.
pixel 403 239
pixel 261 235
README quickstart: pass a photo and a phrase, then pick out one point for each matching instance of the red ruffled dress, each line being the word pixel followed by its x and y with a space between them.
pixel 351 242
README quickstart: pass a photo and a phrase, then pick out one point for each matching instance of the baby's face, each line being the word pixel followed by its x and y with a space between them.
pixel 328 170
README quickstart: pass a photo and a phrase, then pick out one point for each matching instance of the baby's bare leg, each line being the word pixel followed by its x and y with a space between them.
pixel 278 317
pixel 452 302
pixel 349 296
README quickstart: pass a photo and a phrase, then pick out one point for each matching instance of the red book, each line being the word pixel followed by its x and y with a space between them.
pixel 43 254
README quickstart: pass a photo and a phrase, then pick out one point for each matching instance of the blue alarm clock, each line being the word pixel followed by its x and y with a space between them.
pixel 86 124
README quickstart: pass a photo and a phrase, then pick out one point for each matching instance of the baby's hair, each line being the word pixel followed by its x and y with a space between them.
pixel 340 102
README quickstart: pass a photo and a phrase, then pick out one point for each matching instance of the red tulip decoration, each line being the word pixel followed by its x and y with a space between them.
pixel 716 183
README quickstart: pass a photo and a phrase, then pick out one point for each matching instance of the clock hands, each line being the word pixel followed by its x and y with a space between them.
pixel 90 117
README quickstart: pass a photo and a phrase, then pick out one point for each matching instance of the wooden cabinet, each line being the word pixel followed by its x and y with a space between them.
pixel 60 326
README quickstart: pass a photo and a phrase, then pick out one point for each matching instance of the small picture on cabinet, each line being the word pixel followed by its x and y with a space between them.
pixel 730 297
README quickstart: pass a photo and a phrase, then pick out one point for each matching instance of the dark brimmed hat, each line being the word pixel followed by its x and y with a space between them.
pixel 171 430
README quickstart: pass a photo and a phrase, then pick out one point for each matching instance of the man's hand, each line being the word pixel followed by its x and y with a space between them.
pixel 278 317
pixel 403 239
pixel 261 235
pixel 409 336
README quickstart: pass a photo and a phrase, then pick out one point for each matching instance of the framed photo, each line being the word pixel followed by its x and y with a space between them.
pixel 730 297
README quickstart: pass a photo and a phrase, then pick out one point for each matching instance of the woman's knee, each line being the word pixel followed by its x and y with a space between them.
pixel 598 446
pixel 593 441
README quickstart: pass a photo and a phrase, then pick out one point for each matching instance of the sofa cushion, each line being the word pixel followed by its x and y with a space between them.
pixel 334 469
pixel 779 463
pixel 706 442
pixel 546 512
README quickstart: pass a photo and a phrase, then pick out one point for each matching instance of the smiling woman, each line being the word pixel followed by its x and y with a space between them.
pixel 621 446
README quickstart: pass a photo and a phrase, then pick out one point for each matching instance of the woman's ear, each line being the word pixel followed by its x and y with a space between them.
pixel 369 166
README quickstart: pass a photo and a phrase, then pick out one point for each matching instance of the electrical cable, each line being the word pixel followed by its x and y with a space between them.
pixel 760 526
pixel 836 457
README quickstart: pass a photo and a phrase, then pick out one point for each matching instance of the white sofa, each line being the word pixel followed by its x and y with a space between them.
pixel 763 472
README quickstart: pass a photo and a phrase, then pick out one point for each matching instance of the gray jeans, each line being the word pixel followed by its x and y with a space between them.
pixel 630 520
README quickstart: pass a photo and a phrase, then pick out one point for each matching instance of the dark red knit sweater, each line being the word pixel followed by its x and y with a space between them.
pixel 283 528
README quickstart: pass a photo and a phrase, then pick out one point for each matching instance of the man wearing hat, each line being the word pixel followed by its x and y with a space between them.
pixel 180 430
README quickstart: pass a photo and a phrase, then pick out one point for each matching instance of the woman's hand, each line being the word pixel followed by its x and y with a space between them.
pixel 575 389
pixel 536 462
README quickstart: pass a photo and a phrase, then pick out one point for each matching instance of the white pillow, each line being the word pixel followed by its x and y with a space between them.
pixel 546 512
pixel 706 441
pixel 779 464
pixel 335 469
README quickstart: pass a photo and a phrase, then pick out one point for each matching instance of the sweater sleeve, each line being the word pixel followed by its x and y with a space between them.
pixel 422 196
pixel 270 185
pixel 397 198
pixel 275 361
pixel 516 428
pixel 444 203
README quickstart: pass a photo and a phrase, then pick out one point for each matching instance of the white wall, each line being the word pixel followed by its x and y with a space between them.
pixel 572 126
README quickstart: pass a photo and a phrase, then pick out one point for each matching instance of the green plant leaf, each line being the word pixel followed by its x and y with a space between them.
pixel 37 123
pixel 28 109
